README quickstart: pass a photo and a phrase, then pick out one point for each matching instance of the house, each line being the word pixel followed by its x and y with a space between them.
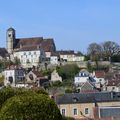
pixel 28 44
pixel 70 56
pixel 99 76
pixel 98 105
pixel 82 77
pixel 54 59
pixel 55 76
pixel 14 75
pixel 112 85
pixel 86 87
pixel 30 56
pixel 36 78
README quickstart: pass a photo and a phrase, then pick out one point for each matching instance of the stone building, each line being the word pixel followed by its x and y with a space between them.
pixel 16 45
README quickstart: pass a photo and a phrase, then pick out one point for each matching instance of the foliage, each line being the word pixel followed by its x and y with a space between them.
pixel 57 84
pixel 30 107
pixel 115 58
pixel 1 80
pixel 8 92
pixel 68 71
pixel 68 118
pixel 48 73
pixel 68 91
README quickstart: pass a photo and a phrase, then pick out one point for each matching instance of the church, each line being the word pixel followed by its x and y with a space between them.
pixel 30 51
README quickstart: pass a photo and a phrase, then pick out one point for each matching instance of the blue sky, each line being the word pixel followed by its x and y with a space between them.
pixel 73 24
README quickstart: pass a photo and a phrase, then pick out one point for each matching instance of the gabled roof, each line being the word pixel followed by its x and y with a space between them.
pixel 100 74
pixel 37 73
pixel 47 45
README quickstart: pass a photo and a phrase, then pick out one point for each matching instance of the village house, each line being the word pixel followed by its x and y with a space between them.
pixel 14 76
pixel 30 56
pixel 82 77
pixel 112 85
pixel 54 58
pixel 36 78
pixel 55 76
pixel 70 56
pixel 86 87
pixel 98 105
pixel 99 77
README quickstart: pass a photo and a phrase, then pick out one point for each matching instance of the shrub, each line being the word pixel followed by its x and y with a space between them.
pixel 9 92
pixel 30 107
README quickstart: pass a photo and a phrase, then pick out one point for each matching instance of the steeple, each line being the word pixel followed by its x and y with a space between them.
pixel 10 39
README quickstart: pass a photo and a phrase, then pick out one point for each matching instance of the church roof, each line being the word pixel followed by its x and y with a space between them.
pixel 3 52
pixel 46 44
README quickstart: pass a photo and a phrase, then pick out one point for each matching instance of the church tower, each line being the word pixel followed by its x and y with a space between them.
pixel 10 40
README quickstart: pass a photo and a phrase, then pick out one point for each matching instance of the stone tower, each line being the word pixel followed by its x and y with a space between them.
pixel 10 40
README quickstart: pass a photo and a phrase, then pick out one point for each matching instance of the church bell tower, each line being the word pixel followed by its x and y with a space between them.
pixel 10 40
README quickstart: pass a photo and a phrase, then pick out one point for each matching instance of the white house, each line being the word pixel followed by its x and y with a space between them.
pixel 81 77
pixel 14 75
pixel 30 56
pixel 54 58
pixel 99 77
pixel 70 56
pixel 55 76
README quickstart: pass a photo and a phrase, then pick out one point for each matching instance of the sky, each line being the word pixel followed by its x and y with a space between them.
pixel 73 24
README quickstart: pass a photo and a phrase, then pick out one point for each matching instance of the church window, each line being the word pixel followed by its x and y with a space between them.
pixel 9 35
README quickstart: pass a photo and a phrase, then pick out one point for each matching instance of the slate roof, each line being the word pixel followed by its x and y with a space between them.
pixel 3 52
pixel 73 98
pixel 29 48
pixel 66 52
pixel 47 45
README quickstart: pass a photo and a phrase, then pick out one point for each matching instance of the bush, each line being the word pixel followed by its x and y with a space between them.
pixel 30 107
pixel 68 71
pixel 68 118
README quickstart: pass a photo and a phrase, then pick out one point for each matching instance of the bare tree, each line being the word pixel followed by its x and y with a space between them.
pixel 110 49
pixel 94 51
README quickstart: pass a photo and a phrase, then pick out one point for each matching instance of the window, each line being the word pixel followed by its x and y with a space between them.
pixel 24 53
pixel 75 111
pixel 86 111
pixel 34 53
pixel 63 112
pixel 29 53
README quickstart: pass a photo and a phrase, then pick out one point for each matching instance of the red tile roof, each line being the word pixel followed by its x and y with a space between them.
pixel 100 74
pixel 48 45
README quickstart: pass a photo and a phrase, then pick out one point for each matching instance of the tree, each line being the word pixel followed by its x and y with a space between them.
pixel 30 107
pixel 68 71
pixel 110 49
pixel 8 92
pixel 94 51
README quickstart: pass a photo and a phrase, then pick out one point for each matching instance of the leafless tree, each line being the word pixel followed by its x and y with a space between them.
pixel 110 49
pixel 94 51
